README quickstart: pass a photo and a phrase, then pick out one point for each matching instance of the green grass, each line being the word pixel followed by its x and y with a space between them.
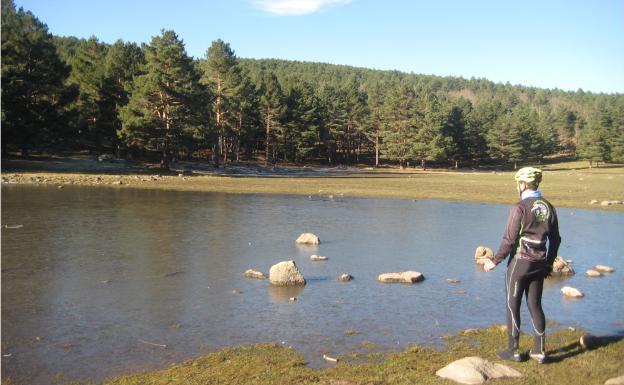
pixel 272 364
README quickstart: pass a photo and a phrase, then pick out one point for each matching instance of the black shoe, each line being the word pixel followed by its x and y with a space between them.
pixel 539 357
pixel 510 355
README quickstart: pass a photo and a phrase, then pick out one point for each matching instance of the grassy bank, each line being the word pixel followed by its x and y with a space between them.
pixel 569 184
pixel 271 364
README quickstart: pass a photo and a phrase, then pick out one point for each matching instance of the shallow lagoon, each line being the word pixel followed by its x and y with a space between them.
pixel 97 278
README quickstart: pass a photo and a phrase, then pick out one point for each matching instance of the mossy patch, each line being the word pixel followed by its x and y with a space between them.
pixel 273 364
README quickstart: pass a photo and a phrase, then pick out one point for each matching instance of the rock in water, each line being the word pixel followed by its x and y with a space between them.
pixel 318 257
pixel 403 277
pixel 482 254
pixel 593 273
pixel 254 274
pixel 604 269
pixel 308 239
pixel 286 273
pixel 475 370
pixel 562 267
pixel 571 292
pixel 345 277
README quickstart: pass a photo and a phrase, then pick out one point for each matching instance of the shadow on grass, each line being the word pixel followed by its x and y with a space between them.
pixel 585 343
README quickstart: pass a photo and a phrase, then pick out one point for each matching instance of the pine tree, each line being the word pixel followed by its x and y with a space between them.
pixel 33 76
pixel 222 75
pixel 165 102
pixel 123 62
pixel 92 107
pixel 505 140
pixel 375 116
pixel 431 141
pixel 398 134
pixel 272 109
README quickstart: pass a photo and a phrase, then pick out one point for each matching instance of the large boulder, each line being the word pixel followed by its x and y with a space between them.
pixel 286 273
pixel 562 267
pixel 403 277
pixel 482 254
pixel 308 239
pixel 475 370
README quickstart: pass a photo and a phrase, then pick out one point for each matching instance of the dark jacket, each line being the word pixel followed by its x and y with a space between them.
pixel 531 222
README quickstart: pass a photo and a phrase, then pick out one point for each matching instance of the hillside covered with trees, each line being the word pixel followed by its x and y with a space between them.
pixel 65 93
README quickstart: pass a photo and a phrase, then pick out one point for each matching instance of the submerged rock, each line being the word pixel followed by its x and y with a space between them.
pixel 286 273
pixel 562 267
pixel 482 254
pixel 254 274
pixel 475 370
pixel 604 269
pixel 318 257
pixel 402 277
pixel 345 277
pixel 593 273
pixel 308 239
pixel 571 292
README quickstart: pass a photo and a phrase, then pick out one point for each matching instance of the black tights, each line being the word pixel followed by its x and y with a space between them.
pixel 525 277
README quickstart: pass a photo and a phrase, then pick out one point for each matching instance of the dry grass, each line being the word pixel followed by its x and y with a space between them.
pixel 565 184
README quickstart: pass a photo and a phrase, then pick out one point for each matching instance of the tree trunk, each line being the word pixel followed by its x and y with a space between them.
pixel 215 154
pixel 377 150
pixel 267 149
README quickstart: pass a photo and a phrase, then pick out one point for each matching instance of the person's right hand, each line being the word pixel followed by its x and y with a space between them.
pixel 489 265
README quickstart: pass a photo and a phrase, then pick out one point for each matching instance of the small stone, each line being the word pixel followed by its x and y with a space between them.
pixel 402 277
pixel 292 299
pixel 483 254
pixel 562 267
pixel 345 277
pixel 308 239
pixel 453 280
pixel 318 257
pixel 593 202
pixel 604 268
pixel 593 273
pixel 571 292
pixel 254 274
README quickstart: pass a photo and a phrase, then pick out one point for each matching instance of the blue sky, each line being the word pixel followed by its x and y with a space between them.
pixel 549 44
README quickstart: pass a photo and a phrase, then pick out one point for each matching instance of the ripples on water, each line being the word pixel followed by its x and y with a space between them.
pixel 97 279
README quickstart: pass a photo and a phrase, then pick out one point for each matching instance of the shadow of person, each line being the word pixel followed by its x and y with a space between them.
pixel 585 343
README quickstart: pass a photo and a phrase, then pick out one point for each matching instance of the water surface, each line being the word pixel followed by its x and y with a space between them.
pixel 97 278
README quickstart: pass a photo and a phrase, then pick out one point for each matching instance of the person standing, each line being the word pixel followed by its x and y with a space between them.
pixel 531 223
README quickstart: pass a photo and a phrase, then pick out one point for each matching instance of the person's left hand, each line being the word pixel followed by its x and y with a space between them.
pixel 489 265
